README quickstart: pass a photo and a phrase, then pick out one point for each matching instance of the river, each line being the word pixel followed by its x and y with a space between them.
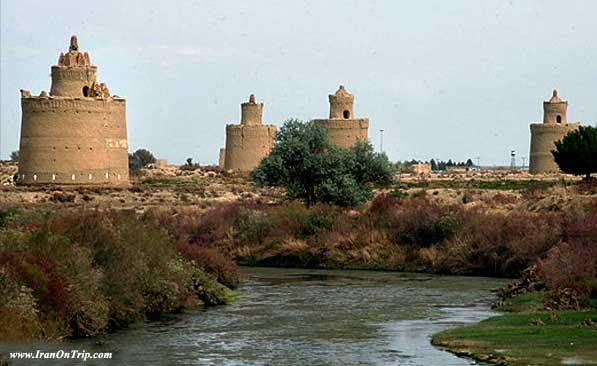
pixel 303 317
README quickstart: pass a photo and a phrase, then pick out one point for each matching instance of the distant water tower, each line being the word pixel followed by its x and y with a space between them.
pixel 512 159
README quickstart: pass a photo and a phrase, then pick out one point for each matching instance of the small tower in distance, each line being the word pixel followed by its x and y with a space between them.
pixel 249 141
pixel 544 135
pixel 344 129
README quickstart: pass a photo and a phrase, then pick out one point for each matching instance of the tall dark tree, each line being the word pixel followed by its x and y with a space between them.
pixel 469 163
pixel 433 165
pixel 312 170
pixel 576 153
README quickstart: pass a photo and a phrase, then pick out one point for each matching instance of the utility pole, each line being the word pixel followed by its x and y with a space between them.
pixel 524 159
pixel 381 140
pixel 478 158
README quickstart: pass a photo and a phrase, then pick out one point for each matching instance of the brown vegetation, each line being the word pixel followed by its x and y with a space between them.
pixel 81 273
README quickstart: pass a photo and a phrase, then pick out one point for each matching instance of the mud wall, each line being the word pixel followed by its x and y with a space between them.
pixel 246 145
pixel 543 137
pixel 73 141
pixel 346 132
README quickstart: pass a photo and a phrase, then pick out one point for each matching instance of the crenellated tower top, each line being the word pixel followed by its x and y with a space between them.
pixel 74 58
pixel 341 104
pixel 554 109
pixel 75 76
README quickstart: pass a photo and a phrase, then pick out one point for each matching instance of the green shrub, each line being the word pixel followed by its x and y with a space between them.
pixel 312 170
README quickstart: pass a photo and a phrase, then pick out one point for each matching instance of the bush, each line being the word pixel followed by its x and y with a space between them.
pixel 224 270
pixel 19 310
pixel 80 274
pixel 576 153
pixel 63 283
pixel 312 170
pixel 416 221
pixel 500 245
pixel 570 266
pixel 140 159
pixel 573 262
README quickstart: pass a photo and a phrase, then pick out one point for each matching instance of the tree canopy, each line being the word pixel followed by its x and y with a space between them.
pixel 576 153
pixel 140 158
pixel 312 170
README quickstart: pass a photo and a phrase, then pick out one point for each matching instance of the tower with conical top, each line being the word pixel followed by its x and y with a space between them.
pixel 250 141
pixel 344 129
pixel 544 135
pixel 77 133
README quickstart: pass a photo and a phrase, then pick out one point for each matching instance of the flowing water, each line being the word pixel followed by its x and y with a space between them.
pixel 304 317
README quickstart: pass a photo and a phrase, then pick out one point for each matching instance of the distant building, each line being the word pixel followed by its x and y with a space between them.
pixel 161 163
pixel 250 141
pixel 543 135
pixel 77 133
pixel 421 168
pixel 344 129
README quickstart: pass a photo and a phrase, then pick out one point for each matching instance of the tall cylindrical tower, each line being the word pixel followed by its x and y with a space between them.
pixel 248 142
pixel 343 129
pixel 77 134
pixel 544 135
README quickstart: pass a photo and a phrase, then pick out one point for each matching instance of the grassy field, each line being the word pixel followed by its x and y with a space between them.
pixel 530 338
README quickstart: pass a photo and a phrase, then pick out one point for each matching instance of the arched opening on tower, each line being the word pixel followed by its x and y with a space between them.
pixel 85 91
pixel 346 114
pixel 559 119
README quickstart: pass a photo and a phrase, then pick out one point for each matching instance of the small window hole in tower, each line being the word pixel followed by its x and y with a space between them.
pixel 559 119
pixel 85 91
pixel 346 114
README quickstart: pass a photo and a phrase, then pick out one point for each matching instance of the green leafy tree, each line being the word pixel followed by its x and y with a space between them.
pixel 576 153
pixel 140 158
pixel 312 170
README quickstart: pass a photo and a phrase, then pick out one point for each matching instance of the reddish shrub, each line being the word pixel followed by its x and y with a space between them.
pixel 573 263
pixel 422 223
pixel 382 204
pixel 582 230
pixel 43 277
pixel 502 245
pixel 223 268
pixel 569 265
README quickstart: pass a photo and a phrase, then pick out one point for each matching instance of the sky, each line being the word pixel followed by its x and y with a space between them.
pixel 443 79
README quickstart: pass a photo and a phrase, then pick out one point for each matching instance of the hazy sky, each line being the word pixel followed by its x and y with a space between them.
pixel 444 79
